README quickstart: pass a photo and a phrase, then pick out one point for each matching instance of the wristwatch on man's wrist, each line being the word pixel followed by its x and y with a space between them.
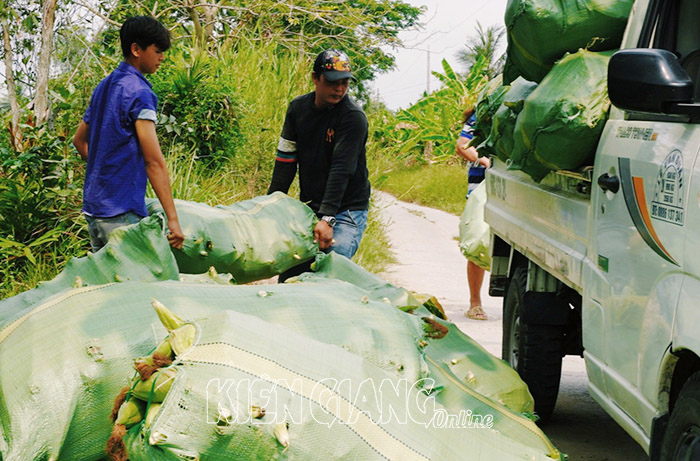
pixel 330 220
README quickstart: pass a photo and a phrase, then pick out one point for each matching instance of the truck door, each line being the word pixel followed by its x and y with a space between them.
pixel 641 197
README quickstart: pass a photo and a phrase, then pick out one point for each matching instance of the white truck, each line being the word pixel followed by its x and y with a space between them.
pixel 604 262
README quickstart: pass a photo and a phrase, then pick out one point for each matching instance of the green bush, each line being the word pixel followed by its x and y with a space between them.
pixel 198 105
pixel 40 200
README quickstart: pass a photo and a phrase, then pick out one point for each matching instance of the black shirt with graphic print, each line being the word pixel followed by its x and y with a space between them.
pixel 329 147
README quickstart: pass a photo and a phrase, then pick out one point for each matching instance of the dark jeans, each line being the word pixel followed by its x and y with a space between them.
pixel 99 228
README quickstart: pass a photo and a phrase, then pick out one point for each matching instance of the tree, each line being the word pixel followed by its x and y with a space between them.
pixel 360 27
pixel 48 19
pixel 484 43
pixel 15 132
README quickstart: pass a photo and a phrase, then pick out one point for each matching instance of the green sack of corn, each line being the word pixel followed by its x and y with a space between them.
pixel 295 397
pixel 540 32
pixel 136 252
pixel 474 233
pixel 562 119
pixel 487 104
pixel 306 349
pixel 503 122
pixel 334 266
pixel 251 240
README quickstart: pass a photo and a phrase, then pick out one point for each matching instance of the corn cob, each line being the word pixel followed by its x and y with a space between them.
pixel 163 379
pixel 130 413
pixel 151 415
pixel 182 338
pixel 169 320
pixel 282 434
pixel 257 412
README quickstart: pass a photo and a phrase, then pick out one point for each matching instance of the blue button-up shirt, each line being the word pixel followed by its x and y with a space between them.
pixel 115 179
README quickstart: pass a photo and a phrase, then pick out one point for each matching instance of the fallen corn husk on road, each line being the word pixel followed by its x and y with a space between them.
pixel 317 369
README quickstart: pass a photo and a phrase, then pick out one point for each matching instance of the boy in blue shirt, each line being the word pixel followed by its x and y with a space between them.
pixel 117 137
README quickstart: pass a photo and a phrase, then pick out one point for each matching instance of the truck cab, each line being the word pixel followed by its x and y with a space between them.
pixel 605 261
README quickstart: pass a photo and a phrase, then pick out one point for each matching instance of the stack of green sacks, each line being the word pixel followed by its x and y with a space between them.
pixel 540 32
pixel 297 394
pixel 562 119
pixel 306 353
pixel 503 122
pixel 330 367
pixel 487 104
pixel 251 240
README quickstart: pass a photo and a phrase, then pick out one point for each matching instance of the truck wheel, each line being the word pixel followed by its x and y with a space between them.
pixel 682 438
pixel 534 351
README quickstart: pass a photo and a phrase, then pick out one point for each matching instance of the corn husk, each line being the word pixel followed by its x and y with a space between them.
pixel 130 413
pixel 163 379
pixel 282 434
pixel 151 415
pixel 182 338
pixel 169 320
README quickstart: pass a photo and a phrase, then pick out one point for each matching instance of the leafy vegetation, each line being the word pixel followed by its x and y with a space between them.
pixel 40 198
pixel 223 92
pixel 426 132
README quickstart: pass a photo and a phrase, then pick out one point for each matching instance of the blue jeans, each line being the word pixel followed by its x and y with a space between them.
pixel 99 228
pixel 347 233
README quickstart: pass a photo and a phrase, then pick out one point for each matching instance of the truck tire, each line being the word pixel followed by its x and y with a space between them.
pixel 682 438
pixel 534 351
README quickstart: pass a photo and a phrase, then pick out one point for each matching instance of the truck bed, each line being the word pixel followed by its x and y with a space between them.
pixel 544 221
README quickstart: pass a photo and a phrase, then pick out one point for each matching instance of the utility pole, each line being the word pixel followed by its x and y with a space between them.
pixel 427 72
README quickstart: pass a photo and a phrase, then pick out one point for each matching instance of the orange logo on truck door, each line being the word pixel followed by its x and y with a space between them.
pixel 635 199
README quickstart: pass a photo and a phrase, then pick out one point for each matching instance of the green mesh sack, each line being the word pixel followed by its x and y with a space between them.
pixel 503 122
pixel 136 252
pixel 335 266
pixel 540 32
pixel 474 233
pixel 487 104
pixel 325 403
pixel 562 119
pixel 251 240
pixel 293 342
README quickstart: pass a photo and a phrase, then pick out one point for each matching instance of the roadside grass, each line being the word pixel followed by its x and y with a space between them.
pixel 375 253
pixel 441 186
pixel 15 282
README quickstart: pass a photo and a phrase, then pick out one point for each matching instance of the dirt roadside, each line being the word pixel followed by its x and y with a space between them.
pixel 425 244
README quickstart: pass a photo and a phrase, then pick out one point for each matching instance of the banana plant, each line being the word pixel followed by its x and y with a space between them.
pixel 428 129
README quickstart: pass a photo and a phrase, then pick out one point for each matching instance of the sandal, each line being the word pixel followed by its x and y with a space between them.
pixel 476 313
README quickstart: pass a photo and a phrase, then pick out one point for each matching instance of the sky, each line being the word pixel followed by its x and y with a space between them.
pixel 446 26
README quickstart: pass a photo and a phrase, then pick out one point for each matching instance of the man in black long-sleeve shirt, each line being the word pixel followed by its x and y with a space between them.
pixel 325 133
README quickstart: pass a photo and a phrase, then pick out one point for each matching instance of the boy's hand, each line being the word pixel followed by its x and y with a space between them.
pixel 484 161
pixel 175 237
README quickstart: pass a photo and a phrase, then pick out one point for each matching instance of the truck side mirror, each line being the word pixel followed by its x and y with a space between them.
pixel 650 80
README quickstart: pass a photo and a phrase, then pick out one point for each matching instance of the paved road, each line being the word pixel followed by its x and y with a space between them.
pixel 429 261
